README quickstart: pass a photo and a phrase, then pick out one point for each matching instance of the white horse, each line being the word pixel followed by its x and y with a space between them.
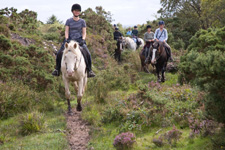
pixel 131 44
pixel 74 70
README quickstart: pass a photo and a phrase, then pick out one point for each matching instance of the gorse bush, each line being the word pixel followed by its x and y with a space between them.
pixel 5 43
pixel 31 123
pixel 17 98
pixel 203 65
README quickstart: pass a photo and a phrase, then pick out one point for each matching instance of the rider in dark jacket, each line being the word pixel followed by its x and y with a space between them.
pixel 135 35
pixel 117 34
pixel 75 30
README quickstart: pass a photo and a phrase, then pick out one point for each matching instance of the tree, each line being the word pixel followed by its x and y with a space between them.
pixel 53 19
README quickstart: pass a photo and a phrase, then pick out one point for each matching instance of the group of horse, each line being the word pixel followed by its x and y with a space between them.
pixel 158 54
pixel 73 66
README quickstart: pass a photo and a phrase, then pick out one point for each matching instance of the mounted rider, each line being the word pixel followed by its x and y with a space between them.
pixel 149 40
pixel 162 35
pixel 129 32
pixel 134 35
pixel 75 30
pixel 118 36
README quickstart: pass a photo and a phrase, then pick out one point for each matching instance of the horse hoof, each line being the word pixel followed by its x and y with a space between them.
pixel 79 108
pixel 158 80
pixel 163 80
pixel 70 113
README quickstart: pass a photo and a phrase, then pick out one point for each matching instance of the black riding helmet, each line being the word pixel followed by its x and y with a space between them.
pixel 148 26
pixel 76 7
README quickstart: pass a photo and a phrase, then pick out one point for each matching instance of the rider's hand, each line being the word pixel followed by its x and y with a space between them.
pixel 81 42
pixel 67 40
pixel 157 40
pixel 164 41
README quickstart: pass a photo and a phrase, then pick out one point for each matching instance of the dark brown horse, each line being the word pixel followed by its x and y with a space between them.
pixel 144 66
pixel 159 59
pixel 119 49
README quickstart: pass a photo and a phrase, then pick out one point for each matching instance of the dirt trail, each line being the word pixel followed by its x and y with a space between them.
pixel 78 131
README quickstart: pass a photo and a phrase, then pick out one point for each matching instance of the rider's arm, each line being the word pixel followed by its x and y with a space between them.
pixel 166 33
pixel 84 33
pixel 155 34
pixel 145 37
pixel 66 32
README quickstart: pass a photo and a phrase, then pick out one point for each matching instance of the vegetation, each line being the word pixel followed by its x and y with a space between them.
pixel 126 108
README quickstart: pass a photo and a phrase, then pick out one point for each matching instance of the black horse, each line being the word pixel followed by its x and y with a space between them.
pixel 159 58
pixel 119 49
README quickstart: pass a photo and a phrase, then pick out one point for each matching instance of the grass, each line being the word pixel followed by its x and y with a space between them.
pixel 51 138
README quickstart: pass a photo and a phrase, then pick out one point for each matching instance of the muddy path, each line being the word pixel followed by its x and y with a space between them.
pixel 78 131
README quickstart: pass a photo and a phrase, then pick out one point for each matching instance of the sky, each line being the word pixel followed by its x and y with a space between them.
pixel 126 12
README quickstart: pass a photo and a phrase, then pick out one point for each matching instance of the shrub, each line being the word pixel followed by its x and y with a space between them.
pixel 12 27
pixel 31 123
pixel 54 36
pixel 158 142
pixel 17 98
pixel 4 30
pixel 124 141
pixel 111 115
pixel 203 65
pixel 5 43
pixel 173 136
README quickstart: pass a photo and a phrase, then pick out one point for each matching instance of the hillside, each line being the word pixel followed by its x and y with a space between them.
pixel 120 99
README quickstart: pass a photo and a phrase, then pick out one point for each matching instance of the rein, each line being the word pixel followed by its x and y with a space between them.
pixel 78 65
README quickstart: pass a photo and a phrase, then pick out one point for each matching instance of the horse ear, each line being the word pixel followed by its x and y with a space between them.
pixel 66 45
pixel 75 45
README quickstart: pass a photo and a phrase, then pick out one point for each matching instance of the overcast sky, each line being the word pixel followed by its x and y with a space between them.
pixel 126 12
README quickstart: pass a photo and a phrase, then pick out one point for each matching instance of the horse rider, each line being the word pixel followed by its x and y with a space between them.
pixel 162 35
pixel 149 39
pixel 134 34
pixel 114 26
pixel 75 30
pixel 129 32
pixel 117 36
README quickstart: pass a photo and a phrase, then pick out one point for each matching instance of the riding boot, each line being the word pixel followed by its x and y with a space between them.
pixel 87 58
pixel 169 53
pixel 56 72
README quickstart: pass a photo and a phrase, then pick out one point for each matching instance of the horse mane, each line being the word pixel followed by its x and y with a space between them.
pixel 71 48
pixel 160 47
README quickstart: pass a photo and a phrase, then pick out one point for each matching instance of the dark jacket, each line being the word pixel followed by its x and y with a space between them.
pixel 134 32
pixel 117 35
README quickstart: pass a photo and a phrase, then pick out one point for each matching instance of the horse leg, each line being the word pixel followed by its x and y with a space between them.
pixel 80 94
pixel 67 93
pixel 75 87
pixel 163 74
pixel 157 72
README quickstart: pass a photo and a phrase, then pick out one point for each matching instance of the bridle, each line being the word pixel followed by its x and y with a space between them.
pixel 75 69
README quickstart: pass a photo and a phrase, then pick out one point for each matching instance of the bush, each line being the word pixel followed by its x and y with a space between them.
pixel 158 142
pixel 4 30
pixel 17 98
pixel 5 43
pixel 111 115
pixel 54 36
pixel 124 141
pixel 173 136
pixel 31 123
pixel 203 65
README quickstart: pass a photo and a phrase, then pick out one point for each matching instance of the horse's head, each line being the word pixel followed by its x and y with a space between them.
pixel 156 51
pixel 71 55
